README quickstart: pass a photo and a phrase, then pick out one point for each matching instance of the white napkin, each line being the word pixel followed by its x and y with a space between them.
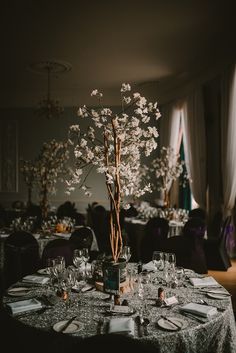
pixel 122 309
pixel 63 235
pixel 149 266
pixel 138 221
pixel 199 309
pixel 121 325
pixel 24 305
pixel 35 279
pixel 204 282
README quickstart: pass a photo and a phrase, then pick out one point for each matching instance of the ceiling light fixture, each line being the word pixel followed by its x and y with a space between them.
pixel 49 107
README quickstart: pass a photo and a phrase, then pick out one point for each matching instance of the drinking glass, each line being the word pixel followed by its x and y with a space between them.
pixel 86 257
pixel 158 260
pixel 78 258
pixel 180 275
pixel 126 253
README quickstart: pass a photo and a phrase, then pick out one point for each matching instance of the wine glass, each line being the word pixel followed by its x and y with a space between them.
pixel 126 253
pixel 78 258
pixel 67 282
pixel 86 256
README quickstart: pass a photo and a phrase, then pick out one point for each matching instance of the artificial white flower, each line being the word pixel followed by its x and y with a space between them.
pixel 115 148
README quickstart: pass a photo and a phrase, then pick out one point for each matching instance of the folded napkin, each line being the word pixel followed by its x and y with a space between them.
pixel 204 282
pixel 35 279
pixel 138 221
pixel 149 266
pixel 199 309
pixel 121 325
pixel 24 305
pixel 121 309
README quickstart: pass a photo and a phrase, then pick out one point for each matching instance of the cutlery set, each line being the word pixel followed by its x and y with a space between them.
pixel 142 325
pixel 67 324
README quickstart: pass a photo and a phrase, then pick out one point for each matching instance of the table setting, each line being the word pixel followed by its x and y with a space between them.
pixel 184 314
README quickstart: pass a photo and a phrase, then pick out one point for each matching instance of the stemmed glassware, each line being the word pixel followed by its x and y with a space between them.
pixel 126 253
pixel 158 261
pixel 78 258
pixel 67 282
pixel 86 257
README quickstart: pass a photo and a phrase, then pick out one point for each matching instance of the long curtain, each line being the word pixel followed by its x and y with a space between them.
pixel 228 138
pixel 228 148
pixel 170 126
pixel 195 144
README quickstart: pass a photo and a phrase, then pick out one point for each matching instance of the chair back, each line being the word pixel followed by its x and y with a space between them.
pixel 81 238
pixel 194 228
pixel 21 256
pixel 156 232
pixel 189 254
pixel 216 248
pixel 197 212
pixel 57 247
pixel 225 231
pixel 100 225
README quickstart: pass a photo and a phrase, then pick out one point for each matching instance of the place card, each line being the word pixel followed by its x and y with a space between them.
pixel 171 301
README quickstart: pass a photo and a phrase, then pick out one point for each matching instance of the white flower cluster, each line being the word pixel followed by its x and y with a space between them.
pixel 114 142
pixel 167 168
pixel 50 166
pixel 146 211
pixel 28 171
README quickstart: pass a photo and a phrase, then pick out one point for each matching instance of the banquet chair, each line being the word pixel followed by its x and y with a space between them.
pixel 57 247
pixel 189 247
pixel 100 224
pixel 197 212
pixel 156 233
pixel 216 250
pixel 81 238
pixel 21 256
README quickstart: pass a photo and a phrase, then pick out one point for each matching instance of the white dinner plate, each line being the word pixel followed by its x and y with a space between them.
pixel 75 326
pixel 18 291
pixel 165 324
pixel 43 271
pixel 216 295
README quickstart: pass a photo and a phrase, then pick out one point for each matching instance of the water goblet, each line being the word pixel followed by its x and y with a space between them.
pixel 86 257
pixel 78 258
pixel 158 261
pixel 126 253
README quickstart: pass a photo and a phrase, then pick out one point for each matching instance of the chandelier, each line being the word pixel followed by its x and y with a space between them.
pixel 48 106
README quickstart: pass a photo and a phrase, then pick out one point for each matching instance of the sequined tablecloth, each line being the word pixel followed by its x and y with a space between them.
pixel 216 335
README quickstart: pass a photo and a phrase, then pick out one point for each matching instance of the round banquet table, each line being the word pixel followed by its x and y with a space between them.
pixel 217 335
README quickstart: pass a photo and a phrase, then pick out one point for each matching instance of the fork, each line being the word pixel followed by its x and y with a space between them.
pixel 202 301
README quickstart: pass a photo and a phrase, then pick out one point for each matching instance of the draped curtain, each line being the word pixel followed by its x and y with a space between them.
pixel 228 146
pixel 228 149
pixel 170 128
pixel 193 125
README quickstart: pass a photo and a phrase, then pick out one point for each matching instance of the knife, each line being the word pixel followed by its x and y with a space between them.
pixel 64 327
pixel 172 322
pixel 193 317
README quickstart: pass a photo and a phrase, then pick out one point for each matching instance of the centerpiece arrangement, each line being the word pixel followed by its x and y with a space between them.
pixel 113 144
pixel 167 168
pixel 27 168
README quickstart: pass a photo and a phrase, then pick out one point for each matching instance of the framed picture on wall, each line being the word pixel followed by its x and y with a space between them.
pixel 8 156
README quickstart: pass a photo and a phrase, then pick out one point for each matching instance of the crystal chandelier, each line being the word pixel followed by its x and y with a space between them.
pixel 48 106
